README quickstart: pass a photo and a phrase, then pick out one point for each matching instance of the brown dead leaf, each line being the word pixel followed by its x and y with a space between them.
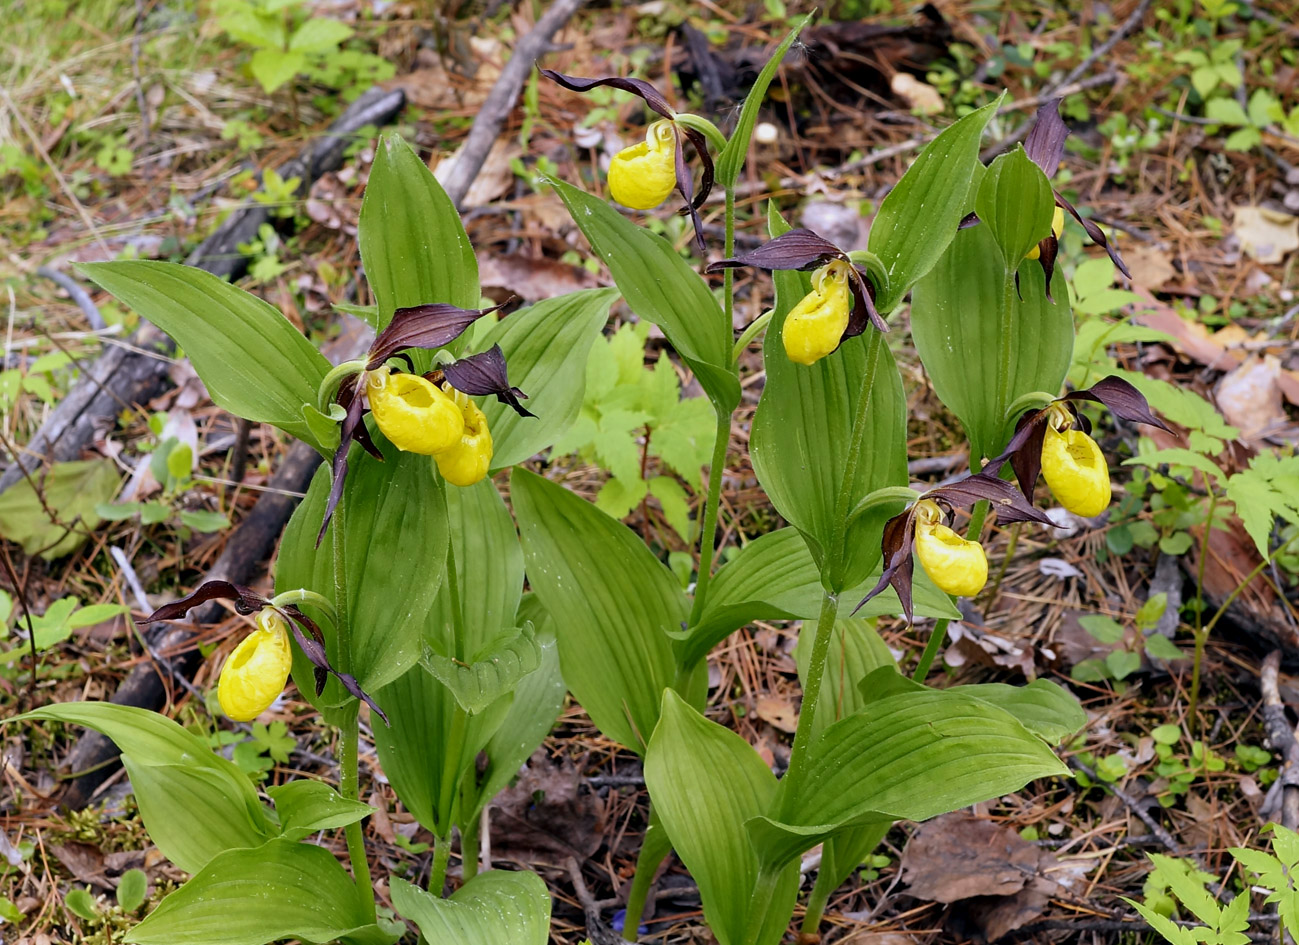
pixel 1151 267
pixel 1249 397
pixel 546 815
pixel 777 711
pixel 919 96
pixel 1267 235
pixel 531 279
pixel 84 862
pixel 958 856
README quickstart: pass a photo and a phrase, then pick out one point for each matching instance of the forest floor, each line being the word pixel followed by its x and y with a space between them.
pixel 134 128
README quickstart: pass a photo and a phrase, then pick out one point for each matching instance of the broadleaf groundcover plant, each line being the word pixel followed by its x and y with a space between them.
pixel 400 579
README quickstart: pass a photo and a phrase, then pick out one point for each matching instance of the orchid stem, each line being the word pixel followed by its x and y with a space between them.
pixel 653 850
pixel 831 577
pixel 349 785
pixel 437 877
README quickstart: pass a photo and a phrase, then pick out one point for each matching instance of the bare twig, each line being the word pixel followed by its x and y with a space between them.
pixel 140 101
pixel 500 100
pixel 1154 826
pixel 20 592
pixel 1283 739
pixel 76 293
pixel 597 929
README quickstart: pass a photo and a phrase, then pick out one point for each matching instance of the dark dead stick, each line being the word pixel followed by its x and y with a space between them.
pixel 596 930
pixel 501 99
pixel 1284 740
pixel 1152 825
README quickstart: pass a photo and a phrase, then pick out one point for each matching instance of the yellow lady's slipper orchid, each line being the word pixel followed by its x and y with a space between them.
pixel 257 670
pixel 467 461
pixel 1057 228
pixel 641 177
pixel 414 413
pixel 1076 471
pixel 816 325
pixel 955 565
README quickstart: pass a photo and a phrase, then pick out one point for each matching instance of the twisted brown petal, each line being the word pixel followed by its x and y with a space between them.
pixel 247 601
pixel 483 374
pixel 638 87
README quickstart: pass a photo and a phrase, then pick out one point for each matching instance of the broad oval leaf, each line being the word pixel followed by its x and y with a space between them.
pixel 612 602
pixel 909 756
pixel 705 781
pixel 802 433
pixel 774 577
pixel 276 891
pixel 195 804
pixel 546 348
pixel 1014 201
pixel 493 908
pixel 413 245
pixel 660 286
pixel 731 161
pixel 391 510
pixel 957 314
pixel 919 216
pixel 306 806
pixel 254 362
pixel 495 671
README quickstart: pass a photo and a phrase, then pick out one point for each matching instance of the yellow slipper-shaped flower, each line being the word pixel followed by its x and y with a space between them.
pixel 955 565
pixel 414 413
pixel 816 325
pixel 256 672
pixel 641 177
pixel 467 461
pixel 1076 471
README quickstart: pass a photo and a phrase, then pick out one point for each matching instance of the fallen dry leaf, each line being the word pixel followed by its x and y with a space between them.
pixel 1266 235
pixel 777 711
pixel 1150 266
pixel 545 814
pixel 919 96
pixel 495 178
pixel 532 279
pixel 1249 397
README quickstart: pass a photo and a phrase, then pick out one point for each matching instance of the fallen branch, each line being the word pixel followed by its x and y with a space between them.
pixel 1285 741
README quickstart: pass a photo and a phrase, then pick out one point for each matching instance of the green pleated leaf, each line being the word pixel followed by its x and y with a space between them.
pixel 918 218
pixel 395 538
pixel 731 161
pixel 774 577
pixel 613 604
pixel 1044 708
pixel 546 348
pixel 660 286
pixel 254 362
pixel 909 756
pixel 249 897
pixel 957 313
pixel 306 806
pixel 1015 203
pixel 494 671
pixel 413 245
pixel 705 782
pixel 73 492
pixel 195 804
pixel 802 433
pixel 493 908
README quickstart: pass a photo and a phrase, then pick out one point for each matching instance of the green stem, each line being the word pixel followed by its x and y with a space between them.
pixel 750 332
pixel 816 901
pixel 469 848
pixel 349 781
pixel 708 526
pixel 939 633
pixel 653 850
pixel 437 877
pixel 831 578
pixel 1201 635
pixel 764 889
pixel 1003 387
pixel 1005 562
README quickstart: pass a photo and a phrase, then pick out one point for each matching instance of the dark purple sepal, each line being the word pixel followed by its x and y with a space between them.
pixel 863 305
pixel 1047 250
pixel 247 601
pixel 899 568
pixel 686 188
pixel 1121 398
pixel 638 87
pixel 312 644
pixel 969 220
pixel 1095 233
pixel 485 373
pixel 1045 142
pixel 338 471
pixel 423 326
pixel 798 249
pixel 1024 451
pixel 1006 500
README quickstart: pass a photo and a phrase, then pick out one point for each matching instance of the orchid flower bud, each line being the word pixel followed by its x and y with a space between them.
pixel 641 177
pixel 1075 469
pixel 1057 228
pixel 413 413
pixel 256 672
pixel 468 461
pixel 955 565
pixel 815 326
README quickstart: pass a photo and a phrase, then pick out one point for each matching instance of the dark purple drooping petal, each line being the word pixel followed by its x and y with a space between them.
pixel 351 423
pixel 1047 250
pixel 312 644
pixel 686 188
pixel 798 249
pixel 1122 399
pixel 700 144
pixel 247 601
pixel 969 220
pixel 423 326
pixel 1095 233
pixel 349 393
pixel 1024 452
pixel 899 568
pixel 638 87
pixel 863 305
pixel 1007 501
pixel 1045 142
pixel 483 374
